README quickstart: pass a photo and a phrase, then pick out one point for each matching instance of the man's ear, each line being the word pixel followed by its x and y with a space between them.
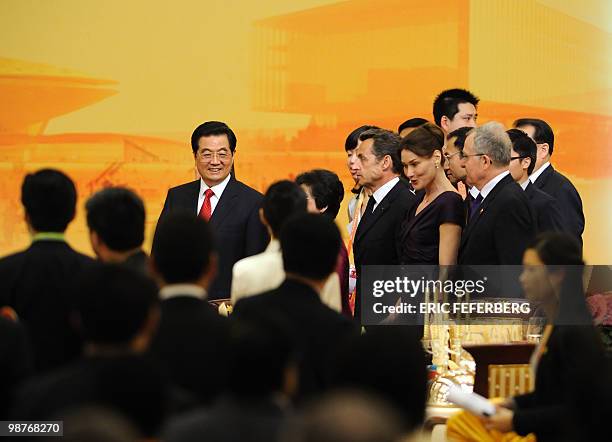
pixel 143 338
pixel 26 217
pixel 445 123
pixel 152 267
pixel 262 218
pixel 96 244
pixel 387 162
pixel 543 150
pixel 94 239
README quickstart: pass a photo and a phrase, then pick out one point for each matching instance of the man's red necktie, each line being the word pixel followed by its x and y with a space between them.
pixel 206 209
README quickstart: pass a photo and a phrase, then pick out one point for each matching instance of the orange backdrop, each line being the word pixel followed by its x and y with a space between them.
pixel 110 91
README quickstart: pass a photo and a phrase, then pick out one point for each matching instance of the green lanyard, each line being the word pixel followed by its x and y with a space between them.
pixel 49 236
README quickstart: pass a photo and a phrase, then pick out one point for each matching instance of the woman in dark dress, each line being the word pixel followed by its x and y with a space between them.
pixel 431 232
pixel 324 193
pixel 571 399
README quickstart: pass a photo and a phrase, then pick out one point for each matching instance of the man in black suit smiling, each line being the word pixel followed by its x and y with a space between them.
pixel 231 207
pixel 499 231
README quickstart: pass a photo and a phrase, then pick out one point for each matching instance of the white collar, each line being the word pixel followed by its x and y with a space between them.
pixel 487 188
pixel 524 184
pixel 217 188
pixel 474 192
pixel 536 174
pixel 383 190
pixel 174 290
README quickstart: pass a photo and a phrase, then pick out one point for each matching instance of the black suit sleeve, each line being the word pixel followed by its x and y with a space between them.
pixel 551 219
pixel 257 237
pixel 167 206
pixel 165 211
pixel 571 208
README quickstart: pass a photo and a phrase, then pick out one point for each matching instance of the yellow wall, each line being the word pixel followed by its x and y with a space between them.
pixel 110 91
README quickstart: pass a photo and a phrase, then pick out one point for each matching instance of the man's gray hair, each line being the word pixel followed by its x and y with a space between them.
pixel 491 139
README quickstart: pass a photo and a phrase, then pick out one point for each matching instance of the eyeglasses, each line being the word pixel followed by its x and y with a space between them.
pixel 207 156
pixel 464 156
pixel 520 157
pixel 448 157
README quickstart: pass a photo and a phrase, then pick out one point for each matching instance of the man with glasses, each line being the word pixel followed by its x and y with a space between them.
pixel 499 231
pixel 522 162
pixel 455 169
pixel 231 207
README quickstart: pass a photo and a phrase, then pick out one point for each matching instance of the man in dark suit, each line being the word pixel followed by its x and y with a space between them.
pixel 522 161
pixel 117 312
pixel 255 404
pixel 231 207
pixel 191 341
pixel 380 166
pixel 498 233
pixel 310 244
pixel 37 282
pixel 547 179
pixel 116 222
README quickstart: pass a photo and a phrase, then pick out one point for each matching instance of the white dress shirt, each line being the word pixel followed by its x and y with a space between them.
pixel 218 191
pixel 382 191
pixel 174 290
pixel 524 184
pixel 535 175
pixel 487 188
pixel 262 272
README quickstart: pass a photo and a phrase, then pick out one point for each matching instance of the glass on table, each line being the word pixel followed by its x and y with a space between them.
pixel 535 328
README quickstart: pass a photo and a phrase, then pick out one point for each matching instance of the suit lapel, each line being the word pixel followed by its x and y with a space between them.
pixel 189 198
pixel 529 190
pixel 370 220
pixel 226 203
pixel 543 178
pixel 483 207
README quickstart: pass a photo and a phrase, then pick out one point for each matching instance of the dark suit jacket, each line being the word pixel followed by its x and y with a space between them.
pixel 375 239
pixel 127 384
pixel 138 262
pixel 38 284
pixel 190 346
pixel 235 222
pixel 571 388
pixel 502 228
pixel 567 197
pixel 316 330
pixel 15 364
pixel 230 419
pixel 546 209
